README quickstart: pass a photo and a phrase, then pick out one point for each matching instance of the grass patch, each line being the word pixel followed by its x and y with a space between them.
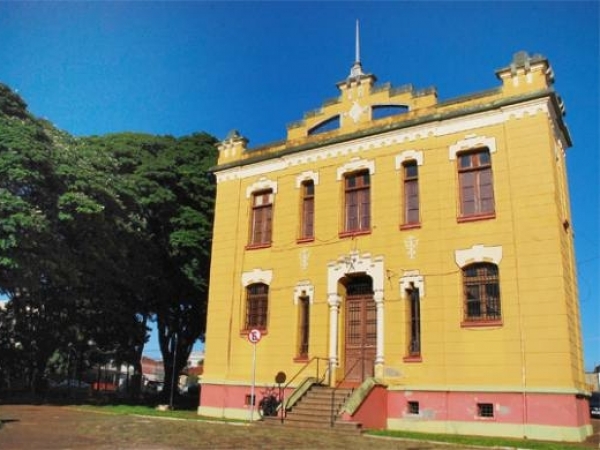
pixel 153 412
pixel 483 441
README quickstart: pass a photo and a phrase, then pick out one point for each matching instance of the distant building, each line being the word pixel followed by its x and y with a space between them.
pixel 593 379
pixel 195 359
pixel 421 250
pixel 152 371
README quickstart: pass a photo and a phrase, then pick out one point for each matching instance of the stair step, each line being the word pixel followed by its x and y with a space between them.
pixel 338 426
pixel 313 410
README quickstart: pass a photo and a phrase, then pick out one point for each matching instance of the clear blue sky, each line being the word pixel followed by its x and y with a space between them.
pixel 176 68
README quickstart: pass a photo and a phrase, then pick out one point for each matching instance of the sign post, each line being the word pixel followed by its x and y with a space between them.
pixel 254 337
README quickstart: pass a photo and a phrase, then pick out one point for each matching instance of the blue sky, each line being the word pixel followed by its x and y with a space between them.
pixel 181 67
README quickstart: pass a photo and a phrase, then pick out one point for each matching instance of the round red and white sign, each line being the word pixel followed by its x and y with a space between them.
pixel 254 336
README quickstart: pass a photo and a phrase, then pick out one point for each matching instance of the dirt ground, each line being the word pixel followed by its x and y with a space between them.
pixel 44 427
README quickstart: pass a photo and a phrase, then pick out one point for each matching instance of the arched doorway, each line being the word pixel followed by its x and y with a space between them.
pixel 360 331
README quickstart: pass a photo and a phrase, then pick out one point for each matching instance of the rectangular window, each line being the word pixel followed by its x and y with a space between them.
pixel 475 184
pixel 262 215
pixel 485 410
pixel 413 407
pixel 414 326
pixel 411 193
pixel 307 228
pixel 303 327
pixel 357 209
pixel 257 303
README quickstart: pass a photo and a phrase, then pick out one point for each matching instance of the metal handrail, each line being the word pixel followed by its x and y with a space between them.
pixel 282 404
pixel 314 358
pixel 339 383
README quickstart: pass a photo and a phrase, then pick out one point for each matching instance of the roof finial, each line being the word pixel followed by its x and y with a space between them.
pixel 357 58
pixel 356 70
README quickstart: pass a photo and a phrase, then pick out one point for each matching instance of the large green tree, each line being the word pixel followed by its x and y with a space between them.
pixel 175 195
pixel 98 236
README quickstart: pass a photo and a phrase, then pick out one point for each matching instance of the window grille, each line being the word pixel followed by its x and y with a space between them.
pixel 257 298
pixel 485 410
pixel 413 407
pixel 481 292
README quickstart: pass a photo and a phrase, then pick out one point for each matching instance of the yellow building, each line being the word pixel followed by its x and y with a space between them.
pixel 418 250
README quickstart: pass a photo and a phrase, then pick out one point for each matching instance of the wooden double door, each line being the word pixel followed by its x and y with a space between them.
pixel 360 330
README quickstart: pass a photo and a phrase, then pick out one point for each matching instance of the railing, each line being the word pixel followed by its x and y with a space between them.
pixel 300 390
pixel 320 379
pixel 339 383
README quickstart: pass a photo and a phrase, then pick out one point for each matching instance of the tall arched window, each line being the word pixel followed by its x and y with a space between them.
pixel 414 322
pixel 481 287
pixel 257 306
pixel 303 327
pixel 410 194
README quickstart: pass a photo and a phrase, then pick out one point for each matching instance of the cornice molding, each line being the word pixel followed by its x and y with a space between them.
pixel 365 144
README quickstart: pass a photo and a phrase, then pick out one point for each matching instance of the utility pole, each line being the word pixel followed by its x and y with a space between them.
pixel 173 371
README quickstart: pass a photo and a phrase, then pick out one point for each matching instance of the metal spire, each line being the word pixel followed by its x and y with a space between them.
pixel 357 44
pixel 356 70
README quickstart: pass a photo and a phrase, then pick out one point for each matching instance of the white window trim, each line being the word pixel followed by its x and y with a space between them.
pixel 355 165
pixel 261 185
pixel 409 155
pixel 477 254
pixel 305 176
pixel 304 289
pixel 471 141
pixel 257 276
pixel 411 279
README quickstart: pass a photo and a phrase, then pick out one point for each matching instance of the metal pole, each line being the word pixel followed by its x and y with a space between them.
pixel 173 374
pixel 252 399
pixel 282 404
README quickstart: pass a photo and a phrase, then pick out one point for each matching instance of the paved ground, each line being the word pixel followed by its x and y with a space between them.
pixel 65 428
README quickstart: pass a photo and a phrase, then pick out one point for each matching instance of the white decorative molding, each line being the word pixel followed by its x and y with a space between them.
pixel 334 300
pixel 478 253
pixel 257 276
pixel 356 110
pixel 304 256
pixel 411 279
pixel 304 289
pixel 308 175
pixel 261 185
pixel 465 124
pixel 355 263
pixel 471 142
pixel 354 165
pixel 409 155
pixel 410 244
pixel 336 270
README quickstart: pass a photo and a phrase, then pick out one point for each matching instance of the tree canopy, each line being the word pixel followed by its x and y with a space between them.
pixel 99 235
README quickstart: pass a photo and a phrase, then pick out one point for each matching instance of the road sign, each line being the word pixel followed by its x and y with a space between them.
pixel 254 336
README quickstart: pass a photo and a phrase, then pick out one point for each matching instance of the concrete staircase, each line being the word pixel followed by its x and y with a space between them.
pixel 313 410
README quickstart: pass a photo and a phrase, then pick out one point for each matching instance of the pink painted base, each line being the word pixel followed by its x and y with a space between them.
pixel 567 410
pixel 558 410
pixel 228 396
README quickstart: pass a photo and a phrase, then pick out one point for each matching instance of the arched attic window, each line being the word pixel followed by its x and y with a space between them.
pixel 383 111
pixel 333 123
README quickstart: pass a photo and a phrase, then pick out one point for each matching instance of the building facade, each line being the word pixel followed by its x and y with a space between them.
pixel 424 247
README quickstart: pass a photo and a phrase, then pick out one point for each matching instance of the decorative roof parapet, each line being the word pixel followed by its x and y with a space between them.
pixel 232 146
pixel 524 64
